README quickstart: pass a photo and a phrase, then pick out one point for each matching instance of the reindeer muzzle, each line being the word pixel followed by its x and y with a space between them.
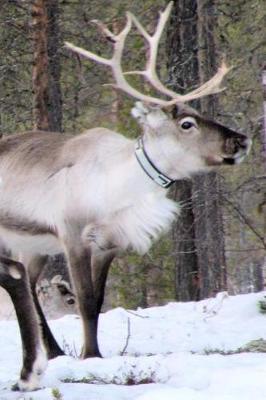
pixel 236 149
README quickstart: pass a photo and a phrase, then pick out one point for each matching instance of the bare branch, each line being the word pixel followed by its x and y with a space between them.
pixel 128 337
pixel 246 220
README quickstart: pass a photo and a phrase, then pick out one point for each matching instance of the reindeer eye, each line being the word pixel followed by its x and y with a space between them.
pixel 187 125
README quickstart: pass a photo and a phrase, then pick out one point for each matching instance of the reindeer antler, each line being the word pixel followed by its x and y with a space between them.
pixel 210 87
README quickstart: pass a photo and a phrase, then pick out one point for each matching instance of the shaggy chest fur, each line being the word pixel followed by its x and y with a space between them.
pixel 138 226
pixel 133 227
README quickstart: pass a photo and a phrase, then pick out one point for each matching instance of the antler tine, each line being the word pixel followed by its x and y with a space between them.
pixel 210 87
pixel 115 62
pixel 87 54
pixel 153 40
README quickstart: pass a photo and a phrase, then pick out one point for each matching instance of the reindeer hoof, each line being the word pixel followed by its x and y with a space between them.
pixel 90 354
pixel 23 387
pixel 31 374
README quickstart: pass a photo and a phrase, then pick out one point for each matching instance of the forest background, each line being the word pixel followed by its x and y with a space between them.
pixel 218 243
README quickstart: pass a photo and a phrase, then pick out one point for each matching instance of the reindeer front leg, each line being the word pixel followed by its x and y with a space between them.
pixel 89 253
pixel 79 260
pixel 13 278
pixel 104 245
pixel 100 268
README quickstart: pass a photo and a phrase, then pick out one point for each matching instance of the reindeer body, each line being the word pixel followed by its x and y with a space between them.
pixel 54 179
pixel 89 197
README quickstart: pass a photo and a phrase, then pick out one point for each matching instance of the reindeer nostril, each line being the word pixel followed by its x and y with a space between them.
pixel 70 301
pixel 239 144
pixel 243 143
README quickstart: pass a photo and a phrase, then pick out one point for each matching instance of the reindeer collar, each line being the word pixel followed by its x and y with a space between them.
pixel 149 168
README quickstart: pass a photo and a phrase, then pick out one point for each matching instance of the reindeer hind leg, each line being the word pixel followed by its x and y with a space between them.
pixel 14 279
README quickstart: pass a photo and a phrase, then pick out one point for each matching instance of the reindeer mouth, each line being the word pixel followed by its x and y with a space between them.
pixel 236 159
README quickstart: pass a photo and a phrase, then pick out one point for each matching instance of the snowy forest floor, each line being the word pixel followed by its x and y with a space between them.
pixel 181 351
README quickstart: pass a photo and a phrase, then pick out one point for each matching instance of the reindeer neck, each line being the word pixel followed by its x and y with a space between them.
pixel 149 167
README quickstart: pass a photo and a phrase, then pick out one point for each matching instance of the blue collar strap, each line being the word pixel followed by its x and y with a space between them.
pixel 149 168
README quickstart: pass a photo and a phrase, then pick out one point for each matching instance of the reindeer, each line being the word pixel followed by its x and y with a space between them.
pixel 98 194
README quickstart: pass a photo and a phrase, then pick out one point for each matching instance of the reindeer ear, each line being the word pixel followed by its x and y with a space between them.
pixel 175 110
pixel 171 109
pixel 178 109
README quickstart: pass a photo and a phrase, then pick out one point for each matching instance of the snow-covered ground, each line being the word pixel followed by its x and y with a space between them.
pixel 170 353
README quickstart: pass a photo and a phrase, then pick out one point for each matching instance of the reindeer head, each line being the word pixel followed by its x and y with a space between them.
pixel 216 144
pixel 183 135
pixel 182 142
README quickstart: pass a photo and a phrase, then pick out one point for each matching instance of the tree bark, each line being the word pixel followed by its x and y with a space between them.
pixel 47 99
pixel 184 73
pixel 185 252
pixel 207 188
pixel 263 131
pixel 47 110
pixel 199 244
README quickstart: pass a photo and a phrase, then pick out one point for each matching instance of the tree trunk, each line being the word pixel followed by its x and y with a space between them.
pixel 199 245
pixel 186 259
pixel 47 100
pixel 263 131
pixel 183 73
pixel 47 110
pixel 207 188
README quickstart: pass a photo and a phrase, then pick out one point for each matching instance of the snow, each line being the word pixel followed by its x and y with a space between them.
pixel 171 354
